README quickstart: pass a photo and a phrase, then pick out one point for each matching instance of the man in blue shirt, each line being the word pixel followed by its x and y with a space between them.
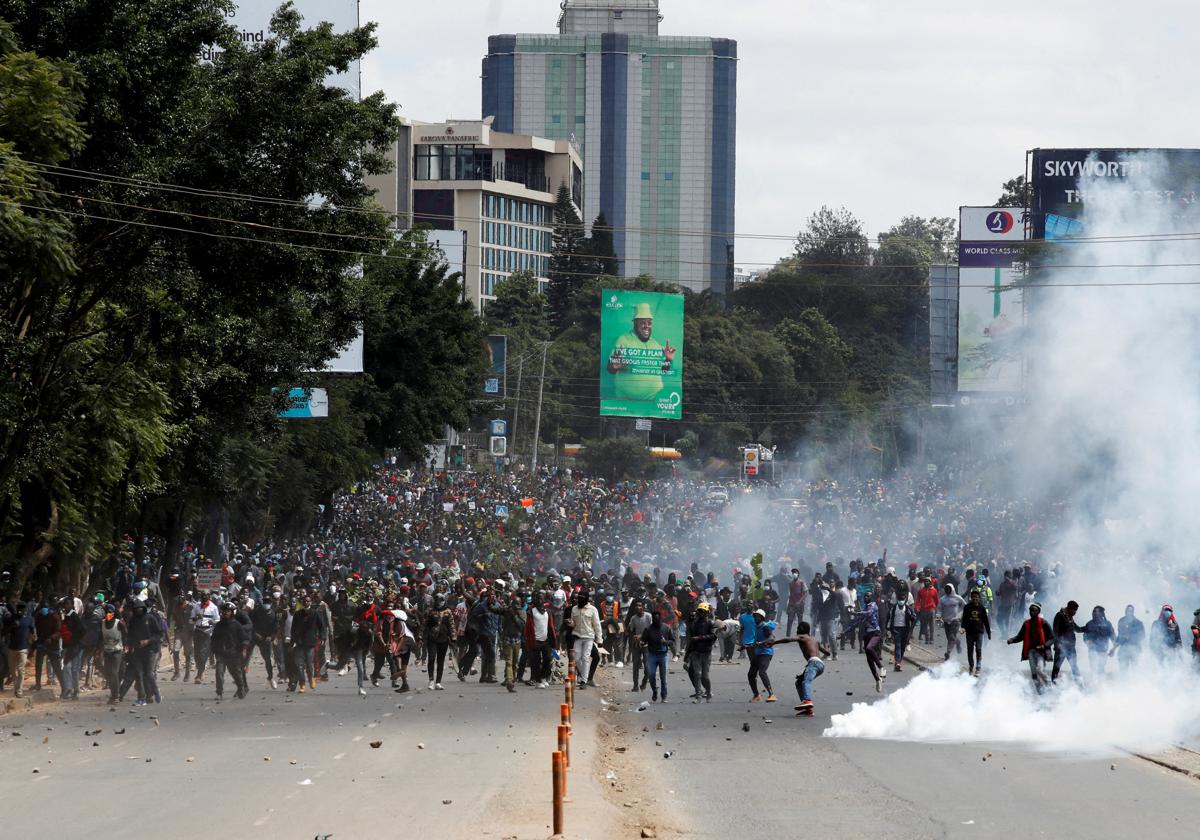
pixel 762 648
pixel 21 635
pixel 749 627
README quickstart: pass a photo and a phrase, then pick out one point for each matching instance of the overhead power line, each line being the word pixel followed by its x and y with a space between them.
pixel 149 184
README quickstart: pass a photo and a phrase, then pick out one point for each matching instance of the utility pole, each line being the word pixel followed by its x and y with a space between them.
pixel 517 409
pixel 537 423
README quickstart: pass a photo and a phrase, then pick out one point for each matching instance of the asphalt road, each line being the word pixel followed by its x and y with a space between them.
pixel 782 779
pixel 204 766
pixel 470 761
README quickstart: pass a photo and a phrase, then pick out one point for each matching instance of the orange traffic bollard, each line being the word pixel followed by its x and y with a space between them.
pixel 565 714
pixel 560 789
pixel 564 745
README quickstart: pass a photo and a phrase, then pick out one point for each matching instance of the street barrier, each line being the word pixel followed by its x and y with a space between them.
pixel 559 783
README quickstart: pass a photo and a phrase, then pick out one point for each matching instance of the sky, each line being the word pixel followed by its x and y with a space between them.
pixel 887 109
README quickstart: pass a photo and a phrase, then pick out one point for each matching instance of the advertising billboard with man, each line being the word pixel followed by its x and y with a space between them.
pixel 641 354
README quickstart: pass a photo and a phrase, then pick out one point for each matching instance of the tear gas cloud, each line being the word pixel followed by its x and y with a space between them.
pixel 1111 427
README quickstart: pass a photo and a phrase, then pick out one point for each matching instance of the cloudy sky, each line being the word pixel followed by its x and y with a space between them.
pixel 884 108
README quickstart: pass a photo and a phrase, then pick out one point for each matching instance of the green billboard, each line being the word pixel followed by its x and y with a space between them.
pixel 641 354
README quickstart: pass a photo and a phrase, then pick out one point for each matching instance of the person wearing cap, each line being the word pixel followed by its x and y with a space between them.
pixel 1036 636
pixel 700 639
pixel 637 360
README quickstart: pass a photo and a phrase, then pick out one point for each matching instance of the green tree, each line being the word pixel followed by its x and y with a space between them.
pixel 834 241
pixel 601 248
pixel 570 263
pixel 184 307
pixel 1016 192
pixel 424 346
pixel 519 310
pixel 618 458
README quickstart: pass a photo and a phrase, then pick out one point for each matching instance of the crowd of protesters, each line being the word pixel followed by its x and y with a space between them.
pixel 506 578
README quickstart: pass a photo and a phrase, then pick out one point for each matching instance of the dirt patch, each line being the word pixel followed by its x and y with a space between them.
pixel 644 800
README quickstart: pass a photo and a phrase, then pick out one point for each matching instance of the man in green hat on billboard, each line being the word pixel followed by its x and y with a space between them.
pixel 638 361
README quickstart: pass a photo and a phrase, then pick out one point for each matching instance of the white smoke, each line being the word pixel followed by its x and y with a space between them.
pixel 1148 711
pixel 1112 429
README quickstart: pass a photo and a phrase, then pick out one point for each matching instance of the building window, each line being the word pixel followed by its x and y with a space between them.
pixel 618 14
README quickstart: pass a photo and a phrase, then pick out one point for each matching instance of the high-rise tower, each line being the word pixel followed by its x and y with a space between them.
pixel 655 119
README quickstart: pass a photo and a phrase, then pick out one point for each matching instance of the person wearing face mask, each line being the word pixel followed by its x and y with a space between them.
pixel 145 639
pixel 1164 634
pixel 1131 638
pixel 48 626
pixel 113 640
pixel 205 616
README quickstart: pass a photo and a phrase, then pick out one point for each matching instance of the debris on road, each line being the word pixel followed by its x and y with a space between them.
pixel 376 744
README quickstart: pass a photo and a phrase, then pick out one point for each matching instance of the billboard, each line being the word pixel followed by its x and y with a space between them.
pixel 497 353
pixel 306 403
pixel 1055 174
pixel 252 19
pixel 641 354
pixel 990 312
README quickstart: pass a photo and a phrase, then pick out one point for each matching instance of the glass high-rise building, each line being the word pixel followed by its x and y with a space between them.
pixel 655 119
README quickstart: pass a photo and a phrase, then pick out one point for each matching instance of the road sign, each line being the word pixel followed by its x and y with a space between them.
pixel 208 580
pixel 643 424
pixel 499 447
pixel 499 428
pixel 502 511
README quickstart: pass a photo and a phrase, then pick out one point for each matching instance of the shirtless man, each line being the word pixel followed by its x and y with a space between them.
pixel 812 650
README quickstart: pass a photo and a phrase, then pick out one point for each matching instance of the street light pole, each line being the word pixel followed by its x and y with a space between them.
pixel 537 423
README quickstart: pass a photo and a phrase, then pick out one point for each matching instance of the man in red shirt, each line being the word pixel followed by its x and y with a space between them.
pixel 926 604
